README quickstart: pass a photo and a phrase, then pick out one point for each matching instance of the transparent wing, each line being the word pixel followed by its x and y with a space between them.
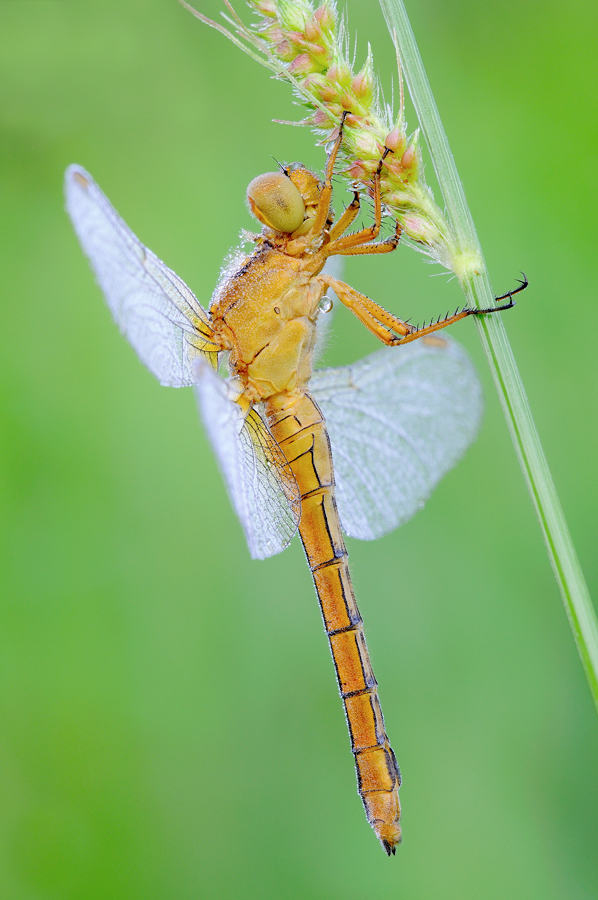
pixel 334 266
pixel 260 483
pixel 398 420
pixel 153 308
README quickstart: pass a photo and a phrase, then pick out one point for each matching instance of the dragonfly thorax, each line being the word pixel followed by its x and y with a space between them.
pixel 265 314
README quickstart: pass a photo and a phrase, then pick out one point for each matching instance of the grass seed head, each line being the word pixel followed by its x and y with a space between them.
pixel 310 47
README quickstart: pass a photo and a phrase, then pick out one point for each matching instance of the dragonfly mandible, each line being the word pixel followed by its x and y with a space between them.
pixel 355 449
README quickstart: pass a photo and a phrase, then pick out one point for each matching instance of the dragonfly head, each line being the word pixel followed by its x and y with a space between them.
pixel 309 186
pixel 286 200
pixel 276 201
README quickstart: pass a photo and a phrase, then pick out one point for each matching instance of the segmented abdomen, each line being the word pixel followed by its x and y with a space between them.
pixel 300 430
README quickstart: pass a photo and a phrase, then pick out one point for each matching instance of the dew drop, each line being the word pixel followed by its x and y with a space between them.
pixel 325 305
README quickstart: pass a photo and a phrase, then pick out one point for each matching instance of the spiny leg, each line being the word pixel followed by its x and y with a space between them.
pixel 374 317
pixel 347 218
pixel 510 294
pixel 467 311
pixel 366 234
pixel 358 249
pixel 346 246
pixel 326 193
pixel 390 329
pixel 386 246
pixel 364 242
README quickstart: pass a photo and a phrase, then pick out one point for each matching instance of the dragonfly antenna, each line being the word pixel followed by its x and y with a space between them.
pixel 282 168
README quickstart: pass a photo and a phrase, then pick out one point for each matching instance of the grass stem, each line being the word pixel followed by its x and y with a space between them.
pixel 474 280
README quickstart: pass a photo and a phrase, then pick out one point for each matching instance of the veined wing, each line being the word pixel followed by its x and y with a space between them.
pixel 154 309
pixel 334 266
pixel 398 420
pixel 260 483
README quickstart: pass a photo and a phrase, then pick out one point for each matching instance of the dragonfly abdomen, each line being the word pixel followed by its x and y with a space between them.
pixel 300 430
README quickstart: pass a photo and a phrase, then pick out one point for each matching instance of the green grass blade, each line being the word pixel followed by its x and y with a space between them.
pixel 476 286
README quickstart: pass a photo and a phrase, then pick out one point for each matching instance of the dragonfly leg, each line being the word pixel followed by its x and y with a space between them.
pixel 339 245
pixel 366 234
pixel 383 324
pixel 347 246
pixel 364 241
pixel 390 329
pixel 323 209
pixel 510 294
pixel 467 311
pixel 347 218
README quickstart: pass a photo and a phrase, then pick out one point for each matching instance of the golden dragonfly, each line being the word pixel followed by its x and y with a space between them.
pixel 393 423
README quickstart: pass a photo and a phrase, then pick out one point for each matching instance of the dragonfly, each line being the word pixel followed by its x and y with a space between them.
pixel 355 449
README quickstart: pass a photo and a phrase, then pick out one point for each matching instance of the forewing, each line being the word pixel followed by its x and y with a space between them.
pixel 398 420
pixel 154 309
pixel 260 482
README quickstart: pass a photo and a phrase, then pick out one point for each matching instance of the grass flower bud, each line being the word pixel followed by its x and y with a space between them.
pixel 285 51
pixel 302 64
pixel 266 7
pixel 410 160
pixel 421 230
pixel 313 31
pixel 293 14
pixel 325 18
pixel 396 141
pixel 340 74
pixel 364 82
pixel 367 146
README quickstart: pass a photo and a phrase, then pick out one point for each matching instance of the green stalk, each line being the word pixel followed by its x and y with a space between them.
pixel 474 280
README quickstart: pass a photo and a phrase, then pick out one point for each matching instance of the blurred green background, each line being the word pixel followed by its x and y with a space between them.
pixel 170 725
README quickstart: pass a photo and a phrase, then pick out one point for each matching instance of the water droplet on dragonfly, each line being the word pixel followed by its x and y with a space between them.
pixel 325 305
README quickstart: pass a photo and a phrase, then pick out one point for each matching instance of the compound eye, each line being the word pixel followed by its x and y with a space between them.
pixel 276 201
